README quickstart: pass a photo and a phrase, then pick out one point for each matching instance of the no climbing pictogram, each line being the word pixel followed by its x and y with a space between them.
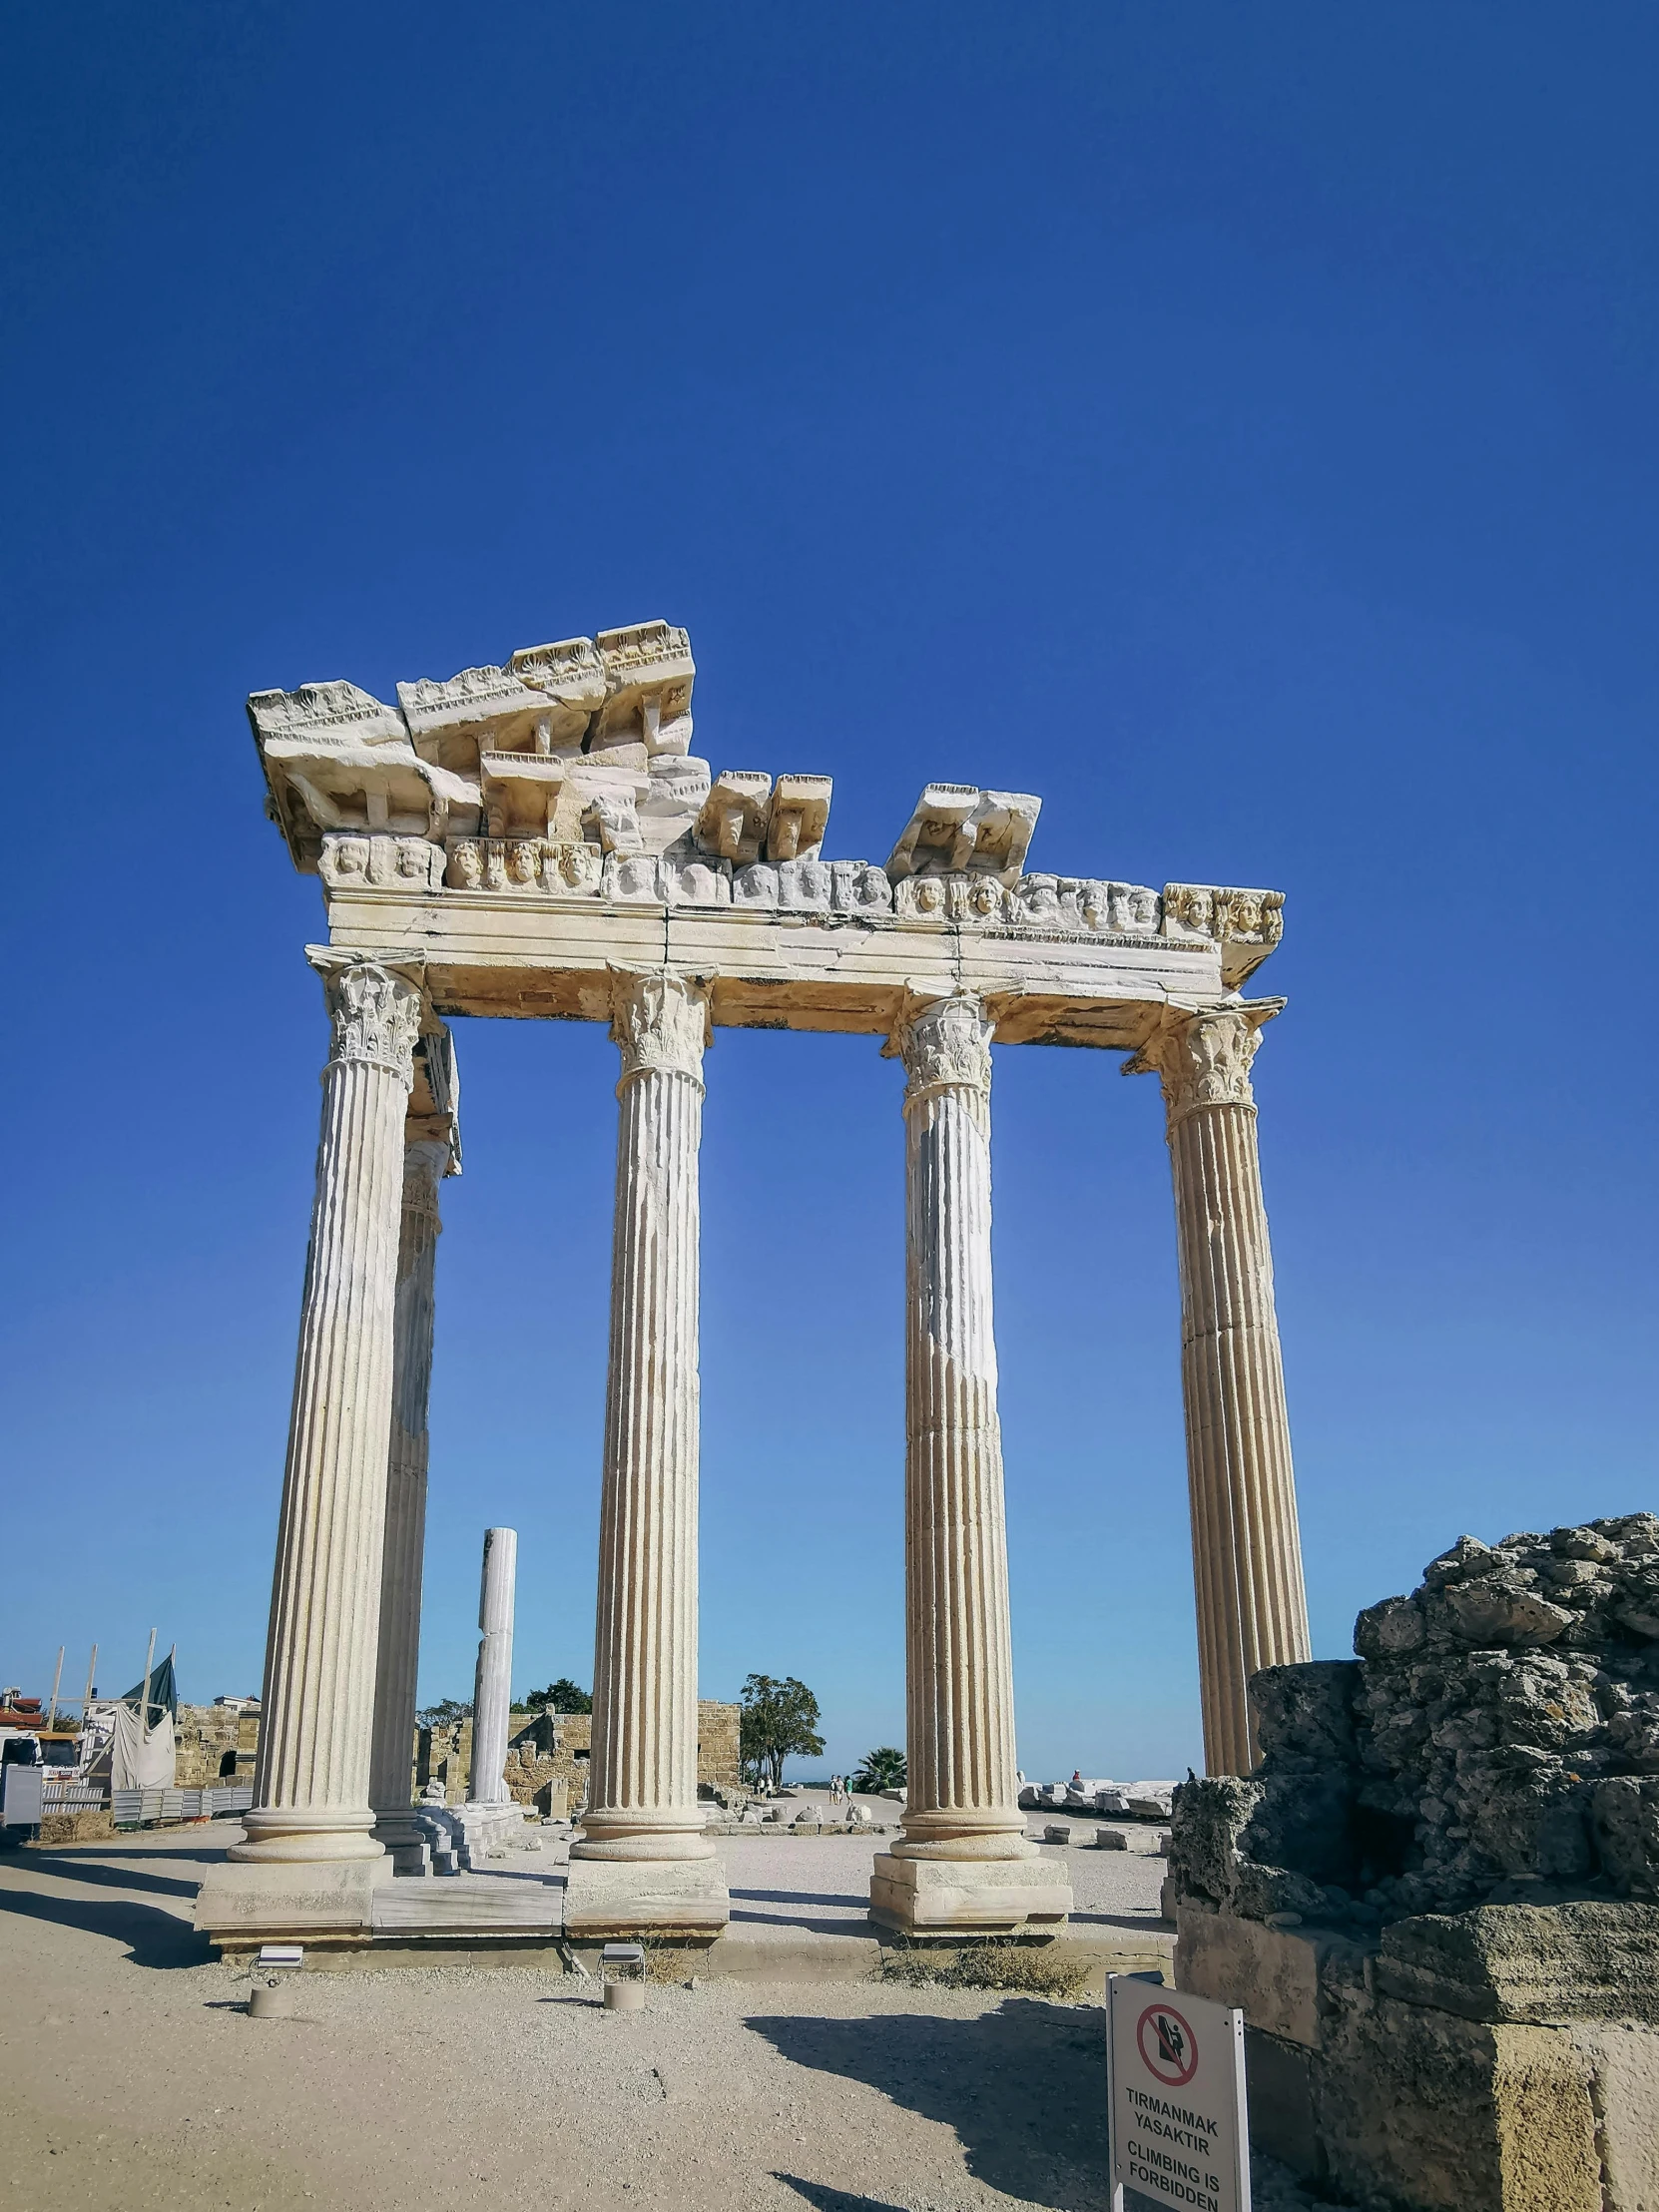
pixel 1167 2044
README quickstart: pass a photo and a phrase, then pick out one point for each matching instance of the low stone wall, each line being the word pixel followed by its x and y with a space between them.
pixel 542 1748
pixel 1436 1899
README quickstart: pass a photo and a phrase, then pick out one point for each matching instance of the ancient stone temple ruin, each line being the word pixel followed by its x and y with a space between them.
pixel 1438 1897
pixel 539 841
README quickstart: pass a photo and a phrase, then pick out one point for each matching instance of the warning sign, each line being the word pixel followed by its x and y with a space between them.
pixel 1177 2085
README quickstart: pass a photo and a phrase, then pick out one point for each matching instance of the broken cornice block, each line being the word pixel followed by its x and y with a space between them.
pixel 799 815
pixel 732 824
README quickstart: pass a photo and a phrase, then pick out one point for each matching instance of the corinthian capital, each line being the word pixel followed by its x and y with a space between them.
pixel 660 1021
pixel 1203 1059
pixel 945 1044
pixel 376 1018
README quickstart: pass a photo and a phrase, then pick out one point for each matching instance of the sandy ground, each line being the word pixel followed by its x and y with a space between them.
pixel 130 2076
pixel 782 1885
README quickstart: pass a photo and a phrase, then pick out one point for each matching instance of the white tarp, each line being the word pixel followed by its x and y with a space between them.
pixel 137 1762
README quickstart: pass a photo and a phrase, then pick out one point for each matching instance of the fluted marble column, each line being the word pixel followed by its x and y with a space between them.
pixel 492 1689
pixel 311 1786
pixel 428 1158
pixel 1247 1552
pixel 963 1859
pixel 643 1773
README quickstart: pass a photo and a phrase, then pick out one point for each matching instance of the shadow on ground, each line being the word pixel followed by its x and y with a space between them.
pixel 202 1854
pixel 96 1874
pixel 858 1899
pixel 1139 1921
pixel 1024 2088
pixel 826 2199
pixel 804 1924
pixel 154 1937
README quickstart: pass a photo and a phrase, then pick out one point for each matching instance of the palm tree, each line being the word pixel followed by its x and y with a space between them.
pixel 884 1769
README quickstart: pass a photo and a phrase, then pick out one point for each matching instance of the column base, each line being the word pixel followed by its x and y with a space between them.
pixel 405 1843
pixel 611 1899
pixel 285 1901
pixel 652 1837
pixel 970 1896
pixel 306 1835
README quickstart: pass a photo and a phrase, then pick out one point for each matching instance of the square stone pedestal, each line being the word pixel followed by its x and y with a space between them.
pixel 611 1899
pixel 970 1896
pixel 244 1904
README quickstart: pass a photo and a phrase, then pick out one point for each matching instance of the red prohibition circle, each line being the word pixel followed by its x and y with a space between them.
pixel 1161 2062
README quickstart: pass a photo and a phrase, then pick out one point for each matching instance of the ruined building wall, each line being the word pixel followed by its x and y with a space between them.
pixel 216 1746
pixel 1436 1898
pixel 544 1748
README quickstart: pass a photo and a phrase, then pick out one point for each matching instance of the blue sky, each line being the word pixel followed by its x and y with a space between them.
pixel 1235 425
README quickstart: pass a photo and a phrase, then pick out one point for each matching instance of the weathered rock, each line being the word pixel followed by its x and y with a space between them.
pixel 1493 1731
pixel 1388 1630
pixel 1436 1899
pixel 1501 1609
pixel 1592 1960
pixel 1625 1817
pixel 1421 2108
pixel 1210 1817
pixel 1305 1715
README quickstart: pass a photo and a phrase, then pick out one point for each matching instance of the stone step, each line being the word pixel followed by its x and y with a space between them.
pixel 512 1903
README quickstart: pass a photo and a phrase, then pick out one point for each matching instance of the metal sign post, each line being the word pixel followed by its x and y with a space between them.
pixel 1176 2086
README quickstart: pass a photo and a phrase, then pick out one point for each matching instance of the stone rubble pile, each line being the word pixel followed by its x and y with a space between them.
pixel 1141 1801
pixel 1496 1742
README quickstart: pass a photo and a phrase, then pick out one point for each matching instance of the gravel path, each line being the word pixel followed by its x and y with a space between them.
pixel 131 2078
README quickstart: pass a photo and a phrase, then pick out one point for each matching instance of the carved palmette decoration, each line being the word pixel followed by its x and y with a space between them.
pixel 1203 1060
pixel 661 1024
pixel 376 1018
pixel 945 1044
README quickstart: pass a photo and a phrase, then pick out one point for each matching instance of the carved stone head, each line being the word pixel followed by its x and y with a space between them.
pixel 466 864
pixel 344 859
pixel 1036 902
pixel 1134 910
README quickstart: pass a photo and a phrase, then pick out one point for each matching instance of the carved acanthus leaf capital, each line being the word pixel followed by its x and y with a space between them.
pixel 659 1023
pixel 375 1014
pixel 945 1044
pixel 1202 1058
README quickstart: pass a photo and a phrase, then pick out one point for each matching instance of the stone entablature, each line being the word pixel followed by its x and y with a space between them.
pixel 565 778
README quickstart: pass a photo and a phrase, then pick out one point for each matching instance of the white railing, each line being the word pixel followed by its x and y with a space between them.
pixel 136 1808
pixel 72 1795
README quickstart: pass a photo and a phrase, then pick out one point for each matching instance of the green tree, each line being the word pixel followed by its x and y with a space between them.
pixel 562 1696
pixel 884 1769
pixel 444 1714
pixel 780 1721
